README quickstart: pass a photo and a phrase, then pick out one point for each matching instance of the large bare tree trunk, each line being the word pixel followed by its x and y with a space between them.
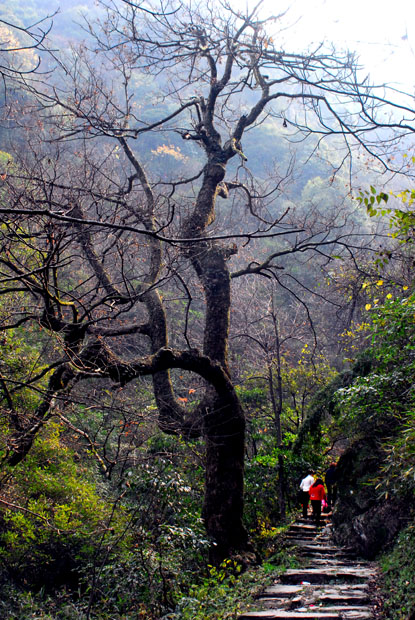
pixel 223 504
pixel 223 419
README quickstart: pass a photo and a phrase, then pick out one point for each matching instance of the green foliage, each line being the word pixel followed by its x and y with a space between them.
pixel 19 362
pixel 165 548
pixel 398 567
pixel 315 434
pixel 301 382
pixel 393 333
pixel 5 160
pixel 398 472
pixel 133 556
pixel 214 594
pixel 225 593
pixel 266 460
pixel 384 395
pixel 261 491
pixel 53 515
pixel 381 404
pixel 255 396
pixel 401 219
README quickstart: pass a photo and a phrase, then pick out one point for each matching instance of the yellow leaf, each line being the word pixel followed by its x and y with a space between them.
pixel 405 288
pixel 389 296
pixel 379 283
pixel 368 306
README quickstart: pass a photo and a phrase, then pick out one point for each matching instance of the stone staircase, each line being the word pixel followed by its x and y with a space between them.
pixel 332 584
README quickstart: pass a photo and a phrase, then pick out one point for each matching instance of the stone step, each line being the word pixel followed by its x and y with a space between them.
pixel 340 566
pixel 320 576
pixel 345 609
pixel 326 549
pixel 281 590
pixel 333 584
pixel 301 542
pixel 358 598
pixel 318 596
pixel 323 546
pixel 322 524
pixel 324 603
pixel 326 558
pixel 305 607
pixel 338 561
pixel 303 526
pixel 317 613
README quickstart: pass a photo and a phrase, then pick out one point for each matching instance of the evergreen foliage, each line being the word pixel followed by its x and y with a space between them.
pixel 398 570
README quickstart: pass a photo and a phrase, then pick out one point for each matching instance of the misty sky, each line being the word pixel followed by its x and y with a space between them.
pixel 382 31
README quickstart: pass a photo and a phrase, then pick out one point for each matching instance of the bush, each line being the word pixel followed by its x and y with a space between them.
pixel 398 567
pixel 225 592
pixel 52 516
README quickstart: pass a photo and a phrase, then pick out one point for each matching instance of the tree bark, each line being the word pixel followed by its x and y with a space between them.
pixel 224 426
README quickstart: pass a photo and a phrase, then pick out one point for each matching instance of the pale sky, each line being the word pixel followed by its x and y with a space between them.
pixel 381 31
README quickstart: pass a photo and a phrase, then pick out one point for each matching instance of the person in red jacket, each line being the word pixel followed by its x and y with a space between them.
pixel 317 494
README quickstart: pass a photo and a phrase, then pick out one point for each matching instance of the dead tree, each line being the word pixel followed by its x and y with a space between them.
pixel 108 233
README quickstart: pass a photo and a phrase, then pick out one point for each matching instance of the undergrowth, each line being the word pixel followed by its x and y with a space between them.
pixel 398 582
pixel 218 593
pixel 226 592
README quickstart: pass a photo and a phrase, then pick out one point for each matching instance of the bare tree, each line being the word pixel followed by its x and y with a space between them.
pixel 108 238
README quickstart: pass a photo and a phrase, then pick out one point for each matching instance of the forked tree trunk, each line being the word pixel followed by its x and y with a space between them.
pixel 224 420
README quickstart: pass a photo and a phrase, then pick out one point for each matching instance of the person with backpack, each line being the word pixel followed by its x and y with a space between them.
pixel 317 495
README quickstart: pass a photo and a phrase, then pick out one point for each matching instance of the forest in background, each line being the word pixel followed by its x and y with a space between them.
pixel 206 288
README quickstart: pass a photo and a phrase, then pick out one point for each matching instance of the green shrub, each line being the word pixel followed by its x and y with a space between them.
pixel 52 517
pixel 225 592
pixel 398 568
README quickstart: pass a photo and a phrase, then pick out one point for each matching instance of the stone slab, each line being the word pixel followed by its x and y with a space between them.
pixel 271 614
pixel 333 588
pixel 310 614
pixel 328 561
pixel 317 575
pixel 282 590
pixel 327 549
pixel 303 526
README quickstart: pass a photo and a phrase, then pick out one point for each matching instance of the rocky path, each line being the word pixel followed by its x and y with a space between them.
pixel 331 585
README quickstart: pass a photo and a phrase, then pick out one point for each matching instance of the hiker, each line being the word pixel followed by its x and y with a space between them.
pixel 331 484
pixel 317 494
pixel 305 485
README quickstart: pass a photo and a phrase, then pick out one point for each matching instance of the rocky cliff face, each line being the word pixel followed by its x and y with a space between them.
pixel 361 519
